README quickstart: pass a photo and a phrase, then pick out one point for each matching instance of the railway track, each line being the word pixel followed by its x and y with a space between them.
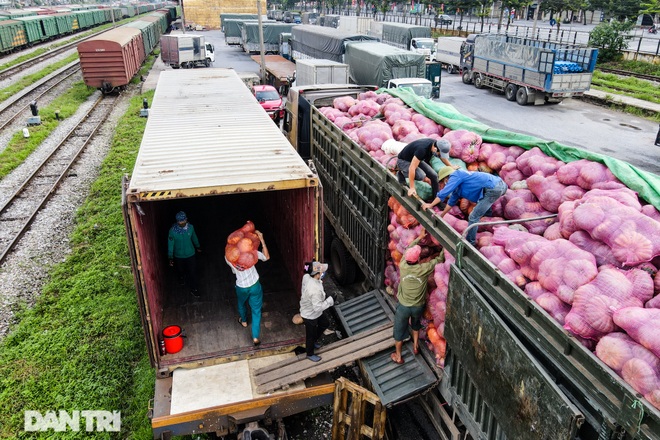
pixel 19 102
pixel 13 70
pixel 631 74
pixel 22 207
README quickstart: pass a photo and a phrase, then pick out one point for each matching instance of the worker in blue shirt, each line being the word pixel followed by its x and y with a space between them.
pixel 481 188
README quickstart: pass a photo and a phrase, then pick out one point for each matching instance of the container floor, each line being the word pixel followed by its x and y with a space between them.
pixel 210 322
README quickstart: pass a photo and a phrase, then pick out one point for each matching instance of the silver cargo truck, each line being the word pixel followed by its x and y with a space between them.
pixel 186 51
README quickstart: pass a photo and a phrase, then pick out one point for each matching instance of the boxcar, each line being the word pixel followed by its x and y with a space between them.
pixel 15 13
pixel 150 34
pixel 109 61
pixel 85 18
pixel 12 35
pixel 161 21
pixel 39 27
pixel 64 23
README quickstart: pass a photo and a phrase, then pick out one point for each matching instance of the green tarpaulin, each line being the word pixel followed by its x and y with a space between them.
pixel 647 185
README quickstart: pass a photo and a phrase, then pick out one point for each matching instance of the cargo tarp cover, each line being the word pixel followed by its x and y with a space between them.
pixel 400 34
pixel 233 27
pixel 376 63
pixel 646 184
pixel 225 17
pixel 322 42
pixel 272 32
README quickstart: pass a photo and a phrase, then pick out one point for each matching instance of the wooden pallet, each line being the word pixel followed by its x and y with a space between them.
pixel 333 355
pixel 352 404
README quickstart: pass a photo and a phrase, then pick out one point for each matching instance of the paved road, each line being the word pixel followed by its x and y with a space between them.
pixel 573 122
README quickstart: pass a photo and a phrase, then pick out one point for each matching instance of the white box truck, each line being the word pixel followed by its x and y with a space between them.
pixel 318 71
pixel 186 51
pixel 448 52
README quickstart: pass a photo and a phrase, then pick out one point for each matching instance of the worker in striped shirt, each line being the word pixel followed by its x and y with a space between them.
pixel 249 291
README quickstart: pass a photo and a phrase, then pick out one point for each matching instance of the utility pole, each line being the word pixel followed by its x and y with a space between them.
pixel 536 16
pixel 261 43
pixel 183 18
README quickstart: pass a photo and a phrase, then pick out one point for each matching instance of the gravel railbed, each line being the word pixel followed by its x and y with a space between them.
pixel 20 122
pixel 25 271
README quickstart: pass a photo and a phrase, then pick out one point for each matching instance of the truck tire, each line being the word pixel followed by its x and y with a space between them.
pixel 342 263
pixel 467 77
pixel 207 62
pixel 451 69
pixel 521 96
pixel 510 92
pixel 479 81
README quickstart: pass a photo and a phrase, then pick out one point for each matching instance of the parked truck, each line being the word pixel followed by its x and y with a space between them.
pixel 308 41
pixel 410 37
pixel 221 174
pixel 448 53
pixel 511 371
pixel 390 67
pixel 186 51
pixel 280 72
pixel 314 71
pixel 527 71
pixel 250 39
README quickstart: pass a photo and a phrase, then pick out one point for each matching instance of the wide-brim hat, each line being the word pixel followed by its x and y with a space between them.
pixel 444 172
pixel 318 268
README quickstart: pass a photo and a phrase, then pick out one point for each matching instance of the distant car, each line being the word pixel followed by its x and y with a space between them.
pixel 297 19
pixel 444 19
pixel 270 100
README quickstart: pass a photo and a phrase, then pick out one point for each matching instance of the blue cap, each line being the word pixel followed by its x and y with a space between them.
pixel 181 216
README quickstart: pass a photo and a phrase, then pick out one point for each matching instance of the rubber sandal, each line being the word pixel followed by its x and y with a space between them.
pixel 244 324
pixel 256 342
pixel 415 351
pixel 400 361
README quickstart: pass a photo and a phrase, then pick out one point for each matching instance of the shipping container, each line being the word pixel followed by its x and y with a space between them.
pixel 314 71
pixel 222 166
pixel 112 59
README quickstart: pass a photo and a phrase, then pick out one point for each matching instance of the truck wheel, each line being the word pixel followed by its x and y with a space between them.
pixel 510 92
pixel 467 77
pixel 450 69
pixel 342 263
pixel 521 96
pixel 207 62
pixel 479 81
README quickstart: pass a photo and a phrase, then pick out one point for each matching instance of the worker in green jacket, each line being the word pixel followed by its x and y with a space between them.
pixel 182 245
pixel 413 284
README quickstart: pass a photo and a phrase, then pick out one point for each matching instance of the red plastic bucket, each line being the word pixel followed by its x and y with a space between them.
pixel 173 339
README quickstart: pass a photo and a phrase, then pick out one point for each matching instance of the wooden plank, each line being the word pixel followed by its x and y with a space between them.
pixel 333 346
pixel 332 359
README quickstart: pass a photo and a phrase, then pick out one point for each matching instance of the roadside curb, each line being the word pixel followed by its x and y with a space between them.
pixel 621 102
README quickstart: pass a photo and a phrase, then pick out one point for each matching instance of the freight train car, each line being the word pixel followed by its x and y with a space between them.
pixel 110 60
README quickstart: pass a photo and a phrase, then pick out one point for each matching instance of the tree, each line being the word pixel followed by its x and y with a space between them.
pixel 611 39
pixel 651 7
pixel 617 9
pixel 510 4
pixel 463 6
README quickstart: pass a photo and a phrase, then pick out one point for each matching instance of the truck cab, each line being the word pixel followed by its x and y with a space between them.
pixel 210 53
pixel 425 46
pixel 421 86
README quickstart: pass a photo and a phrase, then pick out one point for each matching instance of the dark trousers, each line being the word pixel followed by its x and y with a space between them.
pixel 186 268
pixel 314 328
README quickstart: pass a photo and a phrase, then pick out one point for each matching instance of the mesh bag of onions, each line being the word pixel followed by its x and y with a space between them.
pixel 242 246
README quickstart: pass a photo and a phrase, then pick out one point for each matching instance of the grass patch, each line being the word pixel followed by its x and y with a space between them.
pixel 633 87
pixel 19 148
pixel 146 67
pixel 31 79
pixel 81 346
pixel 641 67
